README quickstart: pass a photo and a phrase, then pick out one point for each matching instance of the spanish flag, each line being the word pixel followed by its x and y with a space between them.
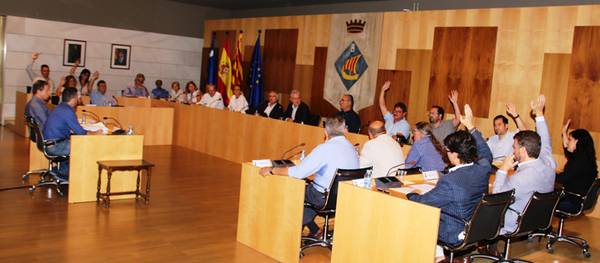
pixel 238 71
pixel 224 81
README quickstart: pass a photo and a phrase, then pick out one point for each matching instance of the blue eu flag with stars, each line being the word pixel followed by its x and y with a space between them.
pixel 255 82
pixel 212 62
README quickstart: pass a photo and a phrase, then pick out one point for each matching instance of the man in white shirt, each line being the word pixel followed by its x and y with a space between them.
pixel 44 70
pixel 212 98
pixel 238 102
pixel 381 151
pixel 501 143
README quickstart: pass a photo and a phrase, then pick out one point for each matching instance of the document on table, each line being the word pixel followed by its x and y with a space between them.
pixel 98 126
pixel 416 188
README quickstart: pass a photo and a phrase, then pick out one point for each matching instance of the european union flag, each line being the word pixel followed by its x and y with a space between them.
pixel 254 79
pixel 212 62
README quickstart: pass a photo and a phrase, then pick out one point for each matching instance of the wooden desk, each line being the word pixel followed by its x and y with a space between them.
pixel 133 101
pixel 375 227
pixel 270 214
pixel 156 124
pixel 86 150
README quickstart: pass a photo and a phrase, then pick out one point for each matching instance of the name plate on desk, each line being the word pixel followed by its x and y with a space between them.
pixel 431 175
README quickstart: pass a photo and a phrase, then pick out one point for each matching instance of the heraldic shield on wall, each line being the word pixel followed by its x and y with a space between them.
pixel 351 65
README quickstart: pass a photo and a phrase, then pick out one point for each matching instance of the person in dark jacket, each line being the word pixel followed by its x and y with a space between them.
pixel 581 168
pixel 348 113
pixel 297 111
pixel 458 192
pixel 271 107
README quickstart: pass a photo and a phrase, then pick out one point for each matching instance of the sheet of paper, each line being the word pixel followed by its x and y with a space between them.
pixel 431 175
pixel 262 163
pixel 403 190
pixel 422 188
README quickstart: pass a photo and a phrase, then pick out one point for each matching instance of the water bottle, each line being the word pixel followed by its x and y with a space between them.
pixel 83 119
pixel 302 155
pixel 130 130
pixel 367 180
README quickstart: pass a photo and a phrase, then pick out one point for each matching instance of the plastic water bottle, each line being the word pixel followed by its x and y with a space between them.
pixel 130 130
pixel 367 180
pixel 302 155
pixel 83 119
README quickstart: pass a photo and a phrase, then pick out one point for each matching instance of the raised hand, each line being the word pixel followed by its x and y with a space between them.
pixel 35 55
pixel 386 86
pixel 566 127
pixel 467 120
pixel 511 109
pixel 95 75
pixel 537 105
pixel 453 97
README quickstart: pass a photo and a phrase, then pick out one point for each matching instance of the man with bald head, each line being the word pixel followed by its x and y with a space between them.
pixel 381 151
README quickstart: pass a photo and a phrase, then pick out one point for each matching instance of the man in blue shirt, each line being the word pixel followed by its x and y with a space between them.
pixel 336 152
pixel 61 123
pixel 99 96
pixel 395 122
pixel 159 92
pixel 36 107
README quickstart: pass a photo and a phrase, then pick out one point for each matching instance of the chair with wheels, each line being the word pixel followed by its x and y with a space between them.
pixel 327 211
pixel 32 138
pixel 485 224
pixel 586 203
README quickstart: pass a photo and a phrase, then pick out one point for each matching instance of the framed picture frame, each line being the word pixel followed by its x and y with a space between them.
pixel 74 52
pixel 120 56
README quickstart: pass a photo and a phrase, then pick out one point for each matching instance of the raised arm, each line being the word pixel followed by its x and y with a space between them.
pixel 384 88
pixel 483 150
pixel 541 126
pixel 565 133
pixel 30 72
pixel 512 112
pixel 454 100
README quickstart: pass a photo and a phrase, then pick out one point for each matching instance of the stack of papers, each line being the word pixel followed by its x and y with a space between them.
pixel 262 163
pixel 99 126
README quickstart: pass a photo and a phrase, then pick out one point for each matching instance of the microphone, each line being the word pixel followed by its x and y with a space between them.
pixel 396 166
pixel 291 149
pixel 115 120
pixel 116 101
pixel 87 112
pixel 295 154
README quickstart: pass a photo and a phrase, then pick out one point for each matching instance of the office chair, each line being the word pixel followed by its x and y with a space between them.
pixel 49 177
pixel 587 203
pixel 32 138
pixel 537 216
pixel 485 224
pixel 327 211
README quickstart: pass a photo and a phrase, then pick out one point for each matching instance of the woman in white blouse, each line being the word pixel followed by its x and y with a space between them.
pixel 176 93
pixel 238 102
pixel 192 94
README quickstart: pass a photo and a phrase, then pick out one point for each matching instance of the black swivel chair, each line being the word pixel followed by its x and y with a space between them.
pixel 587 203
pixel 327 211
pixel 32 138
pixel 537 216
pixel 48 178
pixel 485 224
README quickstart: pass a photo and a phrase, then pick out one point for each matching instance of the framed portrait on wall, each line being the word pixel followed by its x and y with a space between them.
pixel 74 52
pixel 120 56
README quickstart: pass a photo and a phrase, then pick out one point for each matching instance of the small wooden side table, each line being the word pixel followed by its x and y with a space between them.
pixel 123 165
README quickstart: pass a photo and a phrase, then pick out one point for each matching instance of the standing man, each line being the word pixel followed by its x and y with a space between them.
pixel 212 98
pixel 348 113
pixel 335 153
pixel 501 143
pixel 137 89
pixel 36 107
pixel 395 122
pixel 381 151
pixel 297 111
pixel 440 127
pixel 44 70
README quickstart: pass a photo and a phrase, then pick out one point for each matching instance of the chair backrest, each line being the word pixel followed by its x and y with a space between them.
pixel 342 175
pixel 488 217
pixel 538 212
pixel 34 131
pixel 28 121
pixel 590 199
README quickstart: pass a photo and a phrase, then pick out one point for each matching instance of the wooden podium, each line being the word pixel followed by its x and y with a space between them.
pixel 270 214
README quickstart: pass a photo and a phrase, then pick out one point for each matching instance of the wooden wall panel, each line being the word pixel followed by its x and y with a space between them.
pixel 303 77
pixel 583 92
pixel 399 92
pixel 279 59
pixel 463 60
pixel 555 78
pixel 318 104
pixel 418 62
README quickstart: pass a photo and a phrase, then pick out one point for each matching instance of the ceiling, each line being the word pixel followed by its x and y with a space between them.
pixel 253 4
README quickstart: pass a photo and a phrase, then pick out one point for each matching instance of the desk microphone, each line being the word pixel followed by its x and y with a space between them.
pixel 291 149
pixel 115 120
pixel 396 166
pixel 87 112
pixel 295 154
pixel 116 101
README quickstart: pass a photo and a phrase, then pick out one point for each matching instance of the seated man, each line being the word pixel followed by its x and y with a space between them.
pixel 158 92
pixel 395 122
pixel 336 152
pixel 458 192
pixel 348 113
pixel 440 127
pixel 212 98
pixel 61 122
pixel 36 107
pixel 536 172
pixel 271 107
pixel 501 143
pixel 381 151
pixel 137 89
pixel 297 111
pixel 100 97
pixel 237 102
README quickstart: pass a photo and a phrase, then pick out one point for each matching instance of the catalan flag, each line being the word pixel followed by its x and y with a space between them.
pixel 238 71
